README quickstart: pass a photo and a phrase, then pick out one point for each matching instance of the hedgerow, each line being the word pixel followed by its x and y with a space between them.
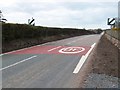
pixel 20 31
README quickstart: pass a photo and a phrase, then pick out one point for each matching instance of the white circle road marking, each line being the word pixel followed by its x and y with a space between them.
pixel 71 50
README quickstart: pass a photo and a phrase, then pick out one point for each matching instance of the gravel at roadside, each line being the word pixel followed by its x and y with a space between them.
pixel 104 71
pixel 101 81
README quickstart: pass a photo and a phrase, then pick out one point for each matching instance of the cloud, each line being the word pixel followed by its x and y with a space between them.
pixel 54 1
pixel 59 13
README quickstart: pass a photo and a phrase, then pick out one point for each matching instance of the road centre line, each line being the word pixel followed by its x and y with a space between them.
pixel 82 60
pixel 54 48
pixel 73 41
pixel 18 63
pixel 78 40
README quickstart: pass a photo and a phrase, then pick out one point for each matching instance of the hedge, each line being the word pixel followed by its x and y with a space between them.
pixel 20 31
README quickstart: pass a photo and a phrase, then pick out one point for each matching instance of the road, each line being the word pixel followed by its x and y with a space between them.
pixel 54 64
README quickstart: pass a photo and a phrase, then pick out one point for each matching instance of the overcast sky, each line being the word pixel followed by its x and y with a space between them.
pixel 61 13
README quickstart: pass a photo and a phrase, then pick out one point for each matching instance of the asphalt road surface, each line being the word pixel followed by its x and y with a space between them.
pixel 51 65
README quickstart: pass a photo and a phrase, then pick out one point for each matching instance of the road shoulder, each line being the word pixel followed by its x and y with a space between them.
pixel 104 66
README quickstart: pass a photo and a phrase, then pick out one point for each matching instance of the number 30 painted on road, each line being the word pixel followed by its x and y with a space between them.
pixel 71 50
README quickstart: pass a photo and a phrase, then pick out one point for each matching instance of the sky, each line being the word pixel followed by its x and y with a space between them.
pixel 88 14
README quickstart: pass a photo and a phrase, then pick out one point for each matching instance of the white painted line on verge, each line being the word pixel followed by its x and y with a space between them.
pixel 18 63
pixel 53 49
pixel 79 65
pixel 90 50
pixel 102 33
pixel 82 60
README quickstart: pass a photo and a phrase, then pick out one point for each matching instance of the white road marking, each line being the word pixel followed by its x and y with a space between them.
pixel 53 49
pixel 18 63
pixel 82 60
pixel 36 46
pixel 73 41
pixel 78 40
pixel 102 33
pixel 71 50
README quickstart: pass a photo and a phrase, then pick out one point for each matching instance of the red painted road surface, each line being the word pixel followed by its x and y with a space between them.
pixel 79 50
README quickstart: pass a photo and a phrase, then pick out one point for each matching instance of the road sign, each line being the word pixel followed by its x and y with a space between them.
pixel 111 21
pixel 31 22
pixel 71 50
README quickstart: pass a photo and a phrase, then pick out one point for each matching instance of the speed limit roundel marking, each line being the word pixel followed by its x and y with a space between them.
pixel 71 50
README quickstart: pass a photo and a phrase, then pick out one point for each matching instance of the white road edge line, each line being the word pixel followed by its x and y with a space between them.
pixel 18 63
pixel 53 49
pixel 102 33
pixel 82 60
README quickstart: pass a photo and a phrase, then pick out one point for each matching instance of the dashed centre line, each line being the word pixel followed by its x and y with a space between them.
pixel 54 48
pixel 18 63
pixel 73 41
